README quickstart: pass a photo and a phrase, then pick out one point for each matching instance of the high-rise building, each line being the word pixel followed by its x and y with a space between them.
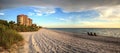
pixel 29 23
pixel 24 20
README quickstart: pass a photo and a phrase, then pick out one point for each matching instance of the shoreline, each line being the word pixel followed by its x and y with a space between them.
pixel 100 38
pixel 46 40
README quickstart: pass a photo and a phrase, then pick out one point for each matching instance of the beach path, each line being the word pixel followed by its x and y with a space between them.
pixel 49 41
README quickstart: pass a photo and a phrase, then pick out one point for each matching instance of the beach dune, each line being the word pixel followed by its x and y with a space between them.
pixel 50 41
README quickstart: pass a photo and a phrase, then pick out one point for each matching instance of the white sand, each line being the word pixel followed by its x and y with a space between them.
pixel 48 41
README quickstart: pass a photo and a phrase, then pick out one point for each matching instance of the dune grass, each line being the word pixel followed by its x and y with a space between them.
pixel 8 37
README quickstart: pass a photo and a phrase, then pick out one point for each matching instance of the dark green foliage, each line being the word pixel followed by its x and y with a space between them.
pixel 22 28
pixel 17 27
pixel 4 22
pixel 11 22
pixel 8 37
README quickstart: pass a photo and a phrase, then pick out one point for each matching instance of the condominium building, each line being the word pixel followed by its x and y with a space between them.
pixel 24 20
pixel 29 22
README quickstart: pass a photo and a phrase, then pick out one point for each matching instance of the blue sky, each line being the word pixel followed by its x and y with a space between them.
pixel 54 16
pixel 67 14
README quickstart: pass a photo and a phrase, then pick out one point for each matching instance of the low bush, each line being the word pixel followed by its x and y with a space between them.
pixel 8 37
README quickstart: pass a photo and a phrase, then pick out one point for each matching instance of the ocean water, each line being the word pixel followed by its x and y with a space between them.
pixel 113 32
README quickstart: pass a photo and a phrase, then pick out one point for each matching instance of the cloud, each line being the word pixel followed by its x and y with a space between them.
pixel 31 14
pixel 66 5
pixel 70 19
pixel 63 19
pixel 109 13
pixel 43 11
pixel 2 14
pixel 38 14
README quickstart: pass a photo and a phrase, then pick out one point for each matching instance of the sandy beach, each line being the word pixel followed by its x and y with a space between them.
pixel 49 41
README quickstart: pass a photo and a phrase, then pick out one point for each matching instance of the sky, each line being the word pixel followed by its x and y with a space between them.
pixel 64 13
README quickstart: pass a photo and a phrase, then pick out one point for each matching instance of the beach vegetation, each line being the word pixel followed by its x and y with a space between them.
pixel 9 33
pixel 8 37
pixel 19 28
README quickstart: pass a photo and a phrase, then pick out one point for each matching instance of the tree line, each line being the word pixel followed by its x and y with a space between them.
pixel 19 28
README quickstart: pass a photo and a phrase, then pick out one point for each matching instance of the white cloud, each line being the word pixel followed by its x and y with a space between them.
pixel 38 14
pixel 109 13
pixel 73 19
pixel 68 19
pixel 44 11
pixel 31 14
pixel 2 13
pixel 62 19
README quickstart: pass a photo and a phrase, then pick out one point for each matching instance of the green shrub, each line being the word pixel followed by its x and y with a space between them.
pixel 17 27
pixel 8 37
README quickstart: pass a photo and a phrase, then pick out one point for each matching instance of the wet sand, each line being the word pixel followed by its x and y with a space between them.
pixel 49 41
